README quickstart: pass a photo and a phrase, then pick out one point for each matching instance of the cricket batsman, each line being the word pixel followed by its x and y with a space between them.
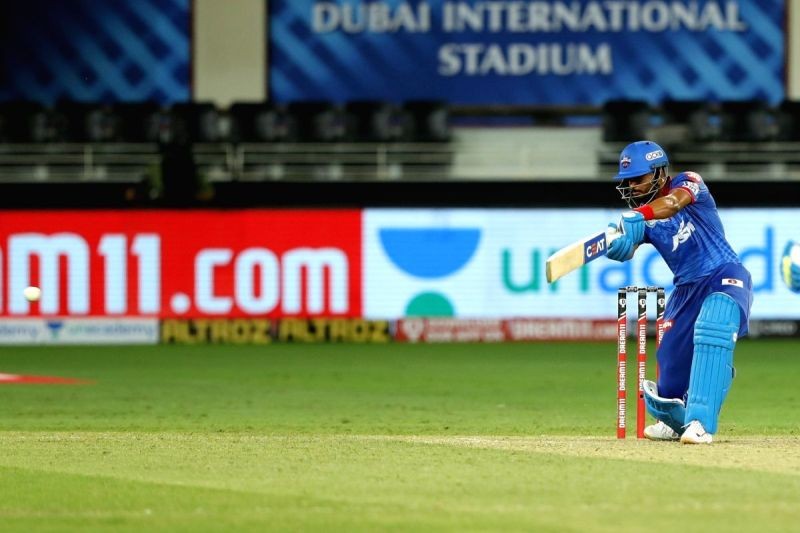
pixel 709 308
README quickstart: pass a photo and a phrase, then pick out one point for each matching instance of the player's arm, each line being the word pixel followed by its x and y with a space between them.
pixel 632 224
pixel 666 206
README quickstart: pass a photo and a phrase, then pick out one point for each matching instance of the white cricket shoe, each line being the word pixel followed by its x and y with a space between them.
pixel 696 434
pixel 660 431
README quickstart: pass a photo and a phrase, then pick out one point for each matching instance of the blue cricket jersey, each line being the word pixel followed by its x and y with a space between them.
pixel 692 242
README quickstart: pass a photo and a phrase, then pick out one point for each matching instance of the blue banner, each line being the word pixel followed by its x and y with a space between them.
pixel 90 50
pixel 526 53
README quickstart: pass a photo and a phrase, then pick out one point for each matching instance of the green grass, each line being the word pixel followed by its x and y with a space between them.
pixel 397 437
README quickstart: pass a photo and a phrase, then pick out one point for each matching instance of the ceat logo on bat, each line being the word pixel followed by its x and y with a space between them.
pixel 595 247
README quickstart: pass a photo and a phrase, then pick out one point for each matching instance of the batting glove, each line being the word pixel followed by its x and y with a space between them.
pixel 632 225
pixel 621 249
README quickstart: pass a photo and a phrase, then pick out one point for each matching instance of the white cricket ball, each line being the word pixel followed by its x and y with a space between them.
pixel 32 294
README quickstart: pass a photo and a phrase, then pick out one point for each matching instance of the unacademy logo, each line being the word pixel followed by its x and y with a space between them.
pixel 684 232
pixel 430 254
pixel 55 327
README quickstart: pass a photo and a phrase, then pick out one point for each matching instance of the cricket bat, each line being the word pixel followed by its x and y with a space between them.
pixel 579 253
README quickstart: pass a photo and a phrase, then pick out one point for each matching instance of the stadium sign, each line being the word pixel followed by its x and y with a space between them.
pixel 535 52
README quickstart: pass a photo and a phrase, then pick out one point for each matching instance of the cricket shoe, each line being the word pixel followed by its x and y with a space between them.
pixel 660 431
pixel 695 433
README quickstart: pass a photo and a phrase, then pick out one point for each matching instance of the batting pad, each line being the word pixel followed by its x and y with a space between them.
pixel 712 367
pixel 671 411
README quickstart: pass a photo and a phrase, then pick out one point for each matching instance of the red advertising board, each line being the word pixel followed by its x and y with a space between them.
pixel 269 263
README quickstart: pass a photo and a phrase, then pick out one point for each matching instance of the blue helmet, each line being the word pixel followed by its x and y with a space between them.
pixel 639 158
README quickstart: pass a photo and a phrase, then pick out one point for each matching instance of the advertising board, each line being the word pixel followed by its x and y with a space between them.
pixel 164 264
pixel 489 263
pixel 373 264
pixel 522 53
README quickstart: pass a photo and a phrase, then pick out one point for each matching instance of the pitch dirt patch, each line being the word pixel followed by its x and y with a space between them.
pixel 763 454
pixel 771 454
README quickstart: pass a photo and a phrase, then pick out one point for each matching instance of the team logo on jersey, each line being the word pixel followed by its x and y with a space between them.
pixel 625 162
pixel 684 232
pixel 733 281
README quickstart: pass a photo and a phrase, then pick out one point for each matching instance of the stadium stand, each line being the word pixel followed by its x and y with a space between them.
pixel 140 144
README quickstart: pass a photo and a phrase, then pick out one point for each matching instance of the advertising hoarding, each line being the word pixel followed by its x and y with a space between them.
pixel 19 331
pixel 489 263
pixel 534 52
pixel 172 264
pixel 376 264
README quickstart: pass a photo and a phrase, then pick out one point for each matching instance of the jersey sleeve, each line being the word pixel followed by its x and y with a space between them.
pixel 692 183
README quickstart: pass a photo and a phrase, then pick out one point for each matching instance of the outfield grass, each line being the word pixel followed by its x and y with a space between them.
pixel 397 437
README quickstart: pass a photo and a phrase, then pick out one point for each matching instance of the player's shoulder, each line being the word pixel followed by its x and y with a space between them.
pixel 689 175
pixel 690 181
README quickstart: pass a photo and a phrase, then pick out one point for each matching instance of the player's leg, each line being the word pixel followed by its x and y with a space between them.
pixel 723 318
pixel 674 354
pixel 715 335
pixel 665 401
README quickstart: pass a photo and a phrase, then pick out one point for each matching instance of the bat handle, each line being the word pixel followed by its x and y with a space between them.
pixel 612 234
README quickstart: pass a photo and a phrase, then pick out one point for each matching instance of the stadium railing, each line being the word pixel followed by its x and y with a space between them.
pixel 78 162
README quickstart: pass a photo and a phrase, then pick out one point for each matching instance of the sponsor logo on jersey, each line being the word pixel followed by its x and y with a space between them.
pixel 684 232
pixel 692 187
pixel 733 281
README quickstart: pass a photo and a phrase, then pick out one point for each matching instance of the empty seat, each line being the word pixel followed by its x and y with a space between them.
pixel 24 122
pixel 697 117
pixel 428 120
pixel 259 122
pixel 625 120
pixel 139 122
pixel 746 121
pixel 788 121
pixel 317 121
pixel 84 122
pixel 374 121
pixel 197 122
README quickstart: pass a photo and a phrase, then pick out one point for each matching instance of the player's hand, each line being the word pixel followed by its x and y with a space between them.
pixel 621 249
pixel 632 226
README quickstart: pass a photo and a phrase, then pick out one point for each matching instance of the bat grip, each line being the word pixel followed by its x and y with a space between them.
pixel 612 234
